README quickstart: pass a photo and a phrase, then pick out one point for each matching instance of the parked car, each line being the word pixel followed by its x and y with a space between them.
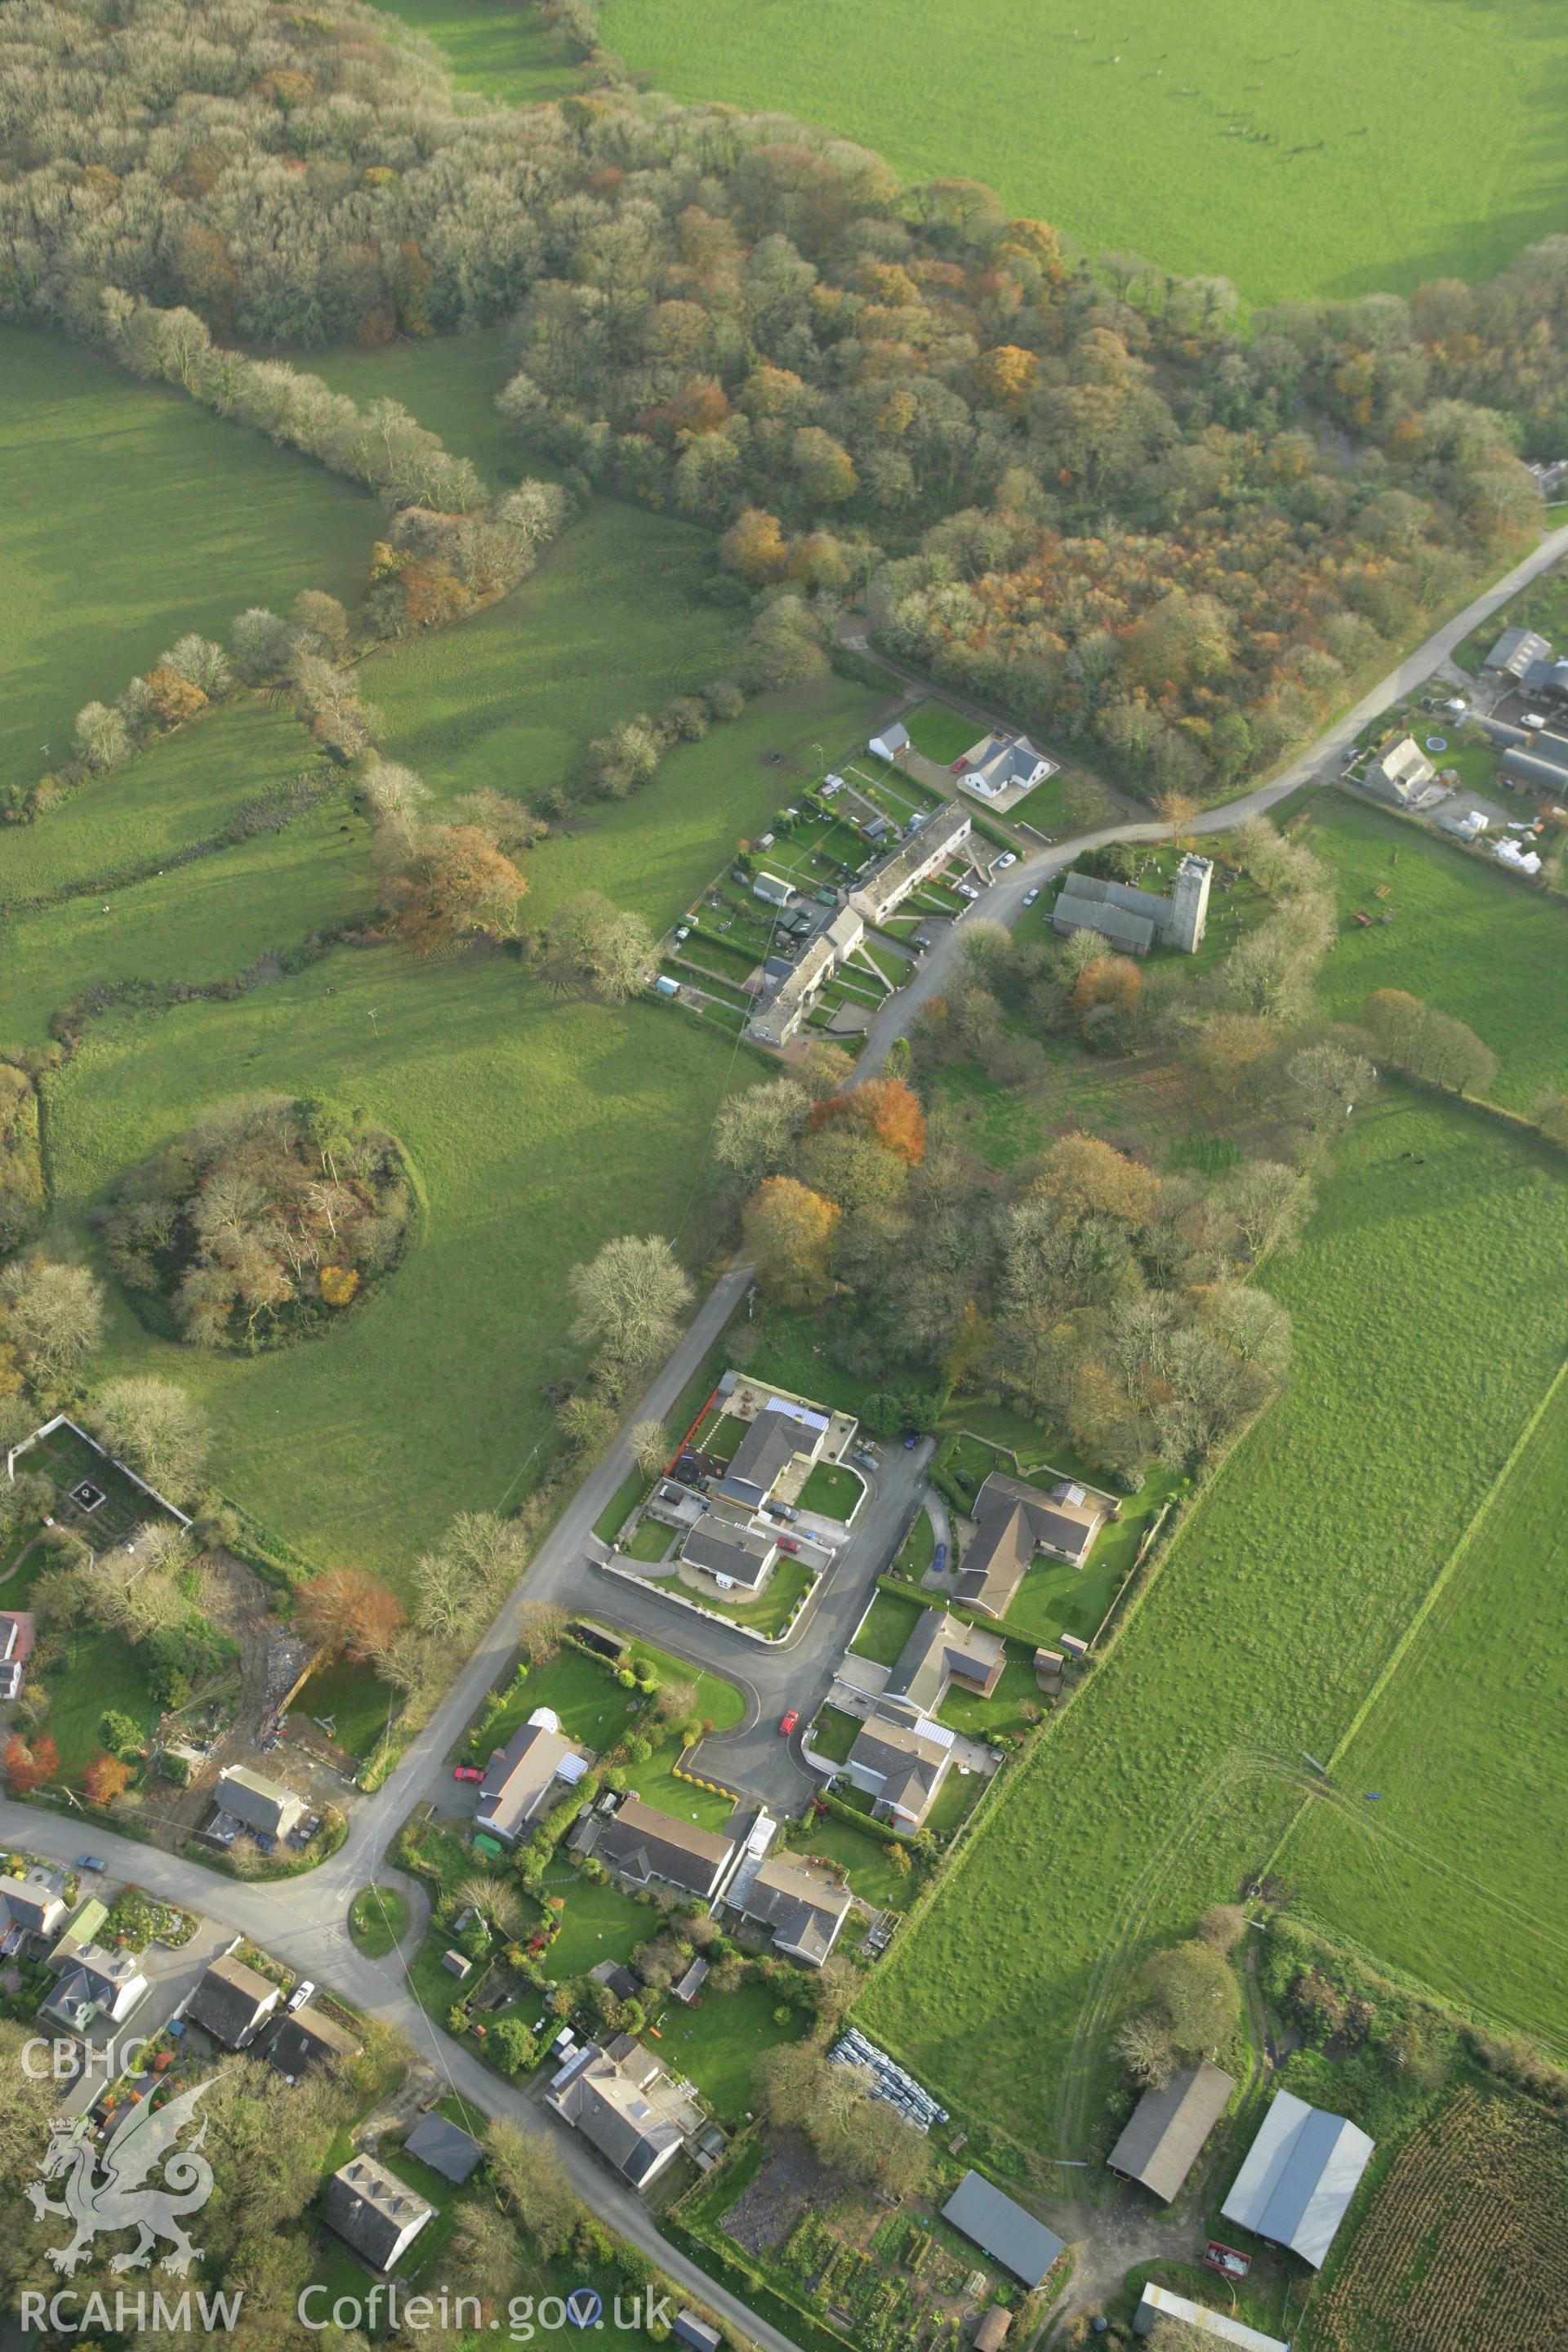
pixel 787 1722
pixel 91 1861
pixel 1532 719
pixel 939 1559
pixel 1030 896
pixel 788 1543
pixel 1008 857
pixel 467 1772
pixel 912 1440
pixel 299 1996
pixel 781 1510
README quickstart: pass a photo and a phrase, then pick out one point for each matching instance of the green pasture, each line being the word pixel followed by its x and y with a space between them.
pixel 184 789
pixel 1418 1360
pixel 447 382
pixel 1466 936
pixel 535 1130
pixel 1338 151
pixel 1448 1870
pixel 132 516
pixel 497 47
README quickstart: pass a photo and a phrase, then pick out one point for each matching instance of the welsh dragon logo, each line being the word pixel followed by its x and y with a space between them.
pixel 115 2198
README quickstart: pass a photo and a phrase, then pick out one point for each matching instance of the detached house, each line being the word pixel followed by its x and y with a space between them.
pixel 93 1983
pixel 1013 1522
pixel 623 2102
pixel 523 1778
pixel 781 1434
pixel 900 1764
pixel 941 1650
pixel 249 1803
pixel 33 1905
pixel 804 1905
pixel 233 2003
pixel 650 1847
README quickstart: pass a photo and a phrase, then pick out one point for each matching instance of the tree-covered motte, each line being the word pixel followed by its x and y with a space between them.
pixel 261 1223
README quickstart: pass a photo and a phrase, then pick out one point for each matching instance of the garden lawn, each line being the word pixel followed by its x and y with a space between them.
pixel 940 733
pixel 352 1697
pixel 656 1784
pixel 769 1613
pixel 862 1854
pixel 1467 937
pixel 132 516
pixel 891 1621
pixel 600 1923
pixel 1451 1873
pixel 1300 157
pixel 102 1673
pixel 832 1491
pixel 1418 1362
pixel 967 1712
pixel 187 788
pixel 719 2044
pixel 918 1550
pixel 833 1733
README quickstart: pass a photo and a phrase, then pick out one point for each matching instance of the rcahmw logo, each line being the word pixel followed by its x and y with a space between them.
pixel 65 2313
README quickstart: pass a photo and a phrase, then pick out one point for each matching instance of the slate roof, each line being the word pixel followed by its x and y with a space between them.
pixel 1002 2229
pixel 1298 2178
pixel 1168 2128
pixel 519 1779
pixel 770 1444
pixel 896 736
pixel 260 1803
pixel 1015 1520
pixel 911 1758
pixel 35 1901
pixel 1516 649
pixel 951 824
pixel 803 1905
pixel 1073 911
pixel 231 2000
pixel 646 1844
pixel 724 1548
pixel 371 2209
pixel 943 1649
pixel 308 2038
pixel 622 2100
pixel 617 1979
pixel 445 2147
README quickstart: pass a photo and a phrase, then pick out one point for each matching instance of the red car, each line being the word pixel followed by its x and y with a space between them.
pixel 789 1722
pixel 467 1772
pixel 788 1543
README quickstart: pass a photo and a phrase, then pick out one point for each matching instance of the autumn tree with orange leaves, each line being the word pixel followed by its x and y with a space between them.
pixel 886 1109
pixel 448 885
pixel 1110 980
pixel 105 1778
pixel 789 1233
pixel 28 1768
pixel 1086 1177
pixel 351 1613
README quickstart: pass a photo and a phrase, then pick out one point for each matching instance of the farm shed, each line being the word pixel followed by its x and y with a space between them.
pixel 891 743
pixel 1210 2325
pixel 1515 651
pixel 1298 2178
pixel 1001 2229
pixel 1165 2136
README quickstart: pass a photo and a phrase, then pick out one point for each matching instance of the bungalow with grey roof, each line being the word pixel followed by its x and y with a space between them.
pixel 944 1650
pixel 901 1765
pixel 780 1434
pixel 524 1777
pixel 248 1801
pixel 1013 1521
pixel 804 1904
pixel 730 1551
pixel 646 1845
pixel 307 2038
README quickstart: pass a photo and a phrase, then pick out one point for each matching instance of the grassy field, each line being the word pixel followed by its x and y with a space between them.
pixel 1467 939
pixel 448 382
pixel 1418 1362
pixel 132 515
pixel 1300 155
pixel 496 47
pixel 185 789
pixel 350 1696
pixel 1445 1873
pixel 425 1403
